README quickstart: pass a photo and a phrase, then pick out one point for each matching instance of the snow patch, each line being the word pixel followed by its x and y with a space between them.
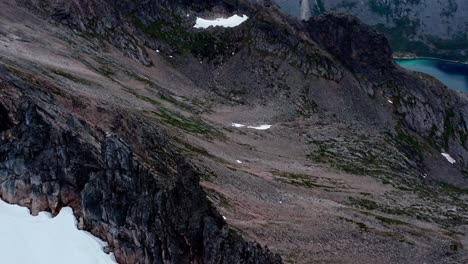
pixel 229 22
pixel 45 240
pixel 237 125
pixel 449 158
pixel 262 127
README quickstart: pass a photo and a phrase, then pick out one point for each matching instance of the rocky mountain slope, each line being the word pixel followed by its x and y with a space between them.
pixel 422 27
pixel 118 108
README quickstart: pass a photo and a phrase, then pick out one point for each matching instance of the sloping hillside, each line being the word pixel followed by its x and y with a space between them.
pixel 184 144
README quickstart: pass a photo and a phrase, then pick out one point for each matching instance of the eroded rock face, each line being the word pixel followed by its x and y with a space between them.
pixel 148 213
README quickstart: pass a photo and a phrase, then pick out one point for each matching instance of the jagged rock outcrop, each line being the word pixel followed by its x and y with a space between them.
pixel 150 209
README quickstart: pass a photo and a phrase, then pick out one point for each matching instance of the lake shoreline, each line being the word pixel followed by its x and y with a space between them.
pixel 453 74
pixel 428 58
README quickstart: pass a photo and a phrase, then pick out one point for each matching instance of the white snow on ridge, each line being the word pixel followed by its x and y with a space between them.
pixel 45 240
pixel 229 22
pixel 449 158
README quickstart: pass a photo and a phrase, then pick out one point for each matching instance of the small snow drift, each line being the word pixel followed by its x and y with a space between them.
pixel 45 240
pixel 229 22
pixel 449 158
pixel 237 125
pixel 262 127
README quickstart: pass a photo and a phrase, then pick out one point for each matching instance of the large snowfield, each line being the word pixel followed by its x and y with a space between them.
pixel 27 239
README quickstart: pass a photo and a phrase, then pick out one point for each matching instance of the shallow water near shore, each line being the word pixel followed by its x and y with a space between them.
pixel 454 75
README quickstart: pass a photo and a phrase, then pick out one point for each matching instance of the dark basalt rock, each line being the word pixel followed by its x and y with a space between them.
pixel 149 212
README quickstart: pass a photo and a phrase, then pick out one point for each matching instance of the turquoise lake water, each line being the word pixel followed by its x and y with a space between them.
pixel 452 74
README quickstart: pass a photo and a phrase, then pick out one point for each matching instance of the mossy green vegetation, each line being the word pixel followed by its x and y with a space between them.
pixel 183 40
pixel 190 125
pixel 452 190
pixel 390 221
pixel 70 76
pixel 408 140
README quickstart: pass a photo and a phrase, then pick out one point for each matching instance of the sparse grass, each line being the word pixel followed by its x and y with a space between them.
pixel 192 125
pixel 88 35
pixel 300 180
pixel 396 236
pixel 149 100
pixel 364 203
pixel 450 189
pixel 106 71
pixel 408 140
pixel 70 76
pixel 360 225
pixel 219 199
pixel 390 221
pixel 184 41
pixel 34 80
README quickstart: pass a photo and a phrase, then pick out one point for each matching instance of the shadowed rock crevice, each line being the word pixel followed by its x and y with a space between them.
pixel 5 122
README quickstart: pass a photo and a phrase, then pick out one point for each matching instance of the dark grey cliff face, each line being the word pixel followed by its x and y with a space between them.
pixel 150 209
